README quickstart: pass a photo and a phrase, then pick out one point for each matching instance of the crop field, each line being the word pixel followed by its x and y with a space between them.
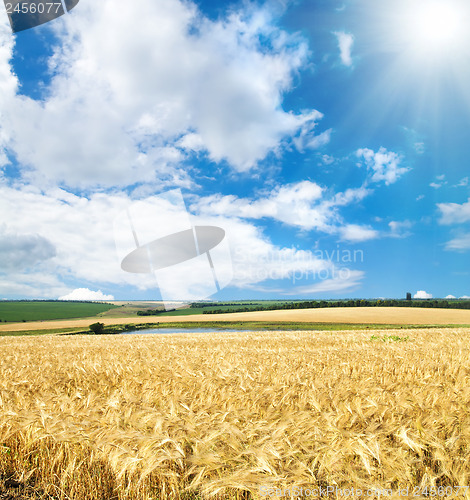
pixel 43 310
pixel 236 415
pixel 340 315
pixel 132 308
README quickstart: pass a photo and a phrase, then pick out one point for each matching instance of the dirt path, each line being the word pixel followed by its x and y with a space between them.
pixel 381 315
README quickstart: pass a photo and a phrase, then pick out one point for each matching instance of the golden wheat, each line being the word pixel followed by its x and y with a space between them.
pixel 231 415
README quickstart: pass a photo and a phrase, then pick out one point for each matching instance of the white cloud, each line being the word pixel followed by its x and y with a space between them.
pixel 384 165
pixel 450 297
pixel 131 95
pixel 8 81
pixel 463 182
pixel 454 213
pixel 356 233
pixel 465 297
pixel 327 160
pixel 351 280
pixel 86 294
pixel 73 239
pixel 79 229
pixel 440 181
pixel 460 243
pixel 260 265
pixel 421 294
pixel 345 44
pixel 41 284
pixel 400 229
pixel 295 204
pixel 306 139
pixel 303 205
pixel 351 195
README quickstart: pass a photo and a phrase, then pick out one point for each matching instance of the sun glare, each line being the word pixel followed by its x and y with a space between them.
pixel 435 25
pixel 439 24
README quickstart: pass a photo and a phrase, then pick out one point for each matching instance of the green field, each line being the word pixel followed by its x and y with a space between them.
pixel 44 310
pixel 232 306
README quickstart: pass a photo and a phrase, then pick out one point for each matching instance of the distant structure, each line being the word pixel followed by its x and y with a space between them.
pixel 408 296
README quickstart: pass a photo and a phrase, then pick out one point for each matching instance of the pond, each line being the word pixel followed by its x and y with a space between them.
pixel 184 330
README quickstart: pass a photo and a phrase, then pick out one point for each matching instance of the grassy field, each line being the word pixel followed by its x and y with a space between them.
pixel 234 416
pixel 43 310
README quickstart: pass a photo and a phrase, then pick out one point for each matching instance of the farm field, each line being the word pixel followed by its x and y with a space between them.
pixel 236 415
pixel 132 308
pixel 360 315
pixel 44 310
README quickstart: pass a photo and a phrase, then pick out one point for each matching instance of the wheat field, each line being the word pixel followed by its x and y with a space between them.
pixel 236 415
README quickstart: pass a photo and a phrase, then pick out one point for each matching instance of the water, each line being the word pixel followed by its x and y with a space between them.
pixel 184 330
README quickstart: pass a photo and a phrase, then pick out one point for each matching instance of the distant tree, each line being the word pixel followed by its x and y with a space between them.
pixel 408 296
pixel 97 328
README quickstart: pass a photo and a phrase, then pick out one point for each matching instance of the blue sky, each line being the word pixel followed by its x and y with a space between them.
pixel 329 140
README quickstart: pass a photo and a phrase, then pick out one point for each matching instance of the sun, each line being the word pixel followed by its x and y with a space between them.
pixel 435 25
pixel 438 24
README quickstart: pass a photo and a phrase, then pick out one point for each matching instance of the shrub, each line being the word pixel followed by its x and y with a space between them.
pixel 97 328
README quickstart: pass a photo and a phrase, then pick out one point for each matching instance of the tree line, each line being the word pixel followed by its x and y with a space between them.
pixel 316 304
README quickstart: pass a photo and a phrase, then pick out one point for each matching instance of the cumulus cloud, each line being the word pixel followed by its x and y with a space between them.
pixel 23 251
pixel 421 294
pixel 8 81
pixel 303 204
pixel 454 213
pixel 400 229
pixel 463 182
pixel 80 230
pixel 351 195
pixel 86 294
pixel 384 165
pixel 345 44
pixel 132 96
pixel 356 233
pixel 296 204
pixel 439 182
pixel 31 284
pixel 460 243
pixel 450 297
pixel 306 139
